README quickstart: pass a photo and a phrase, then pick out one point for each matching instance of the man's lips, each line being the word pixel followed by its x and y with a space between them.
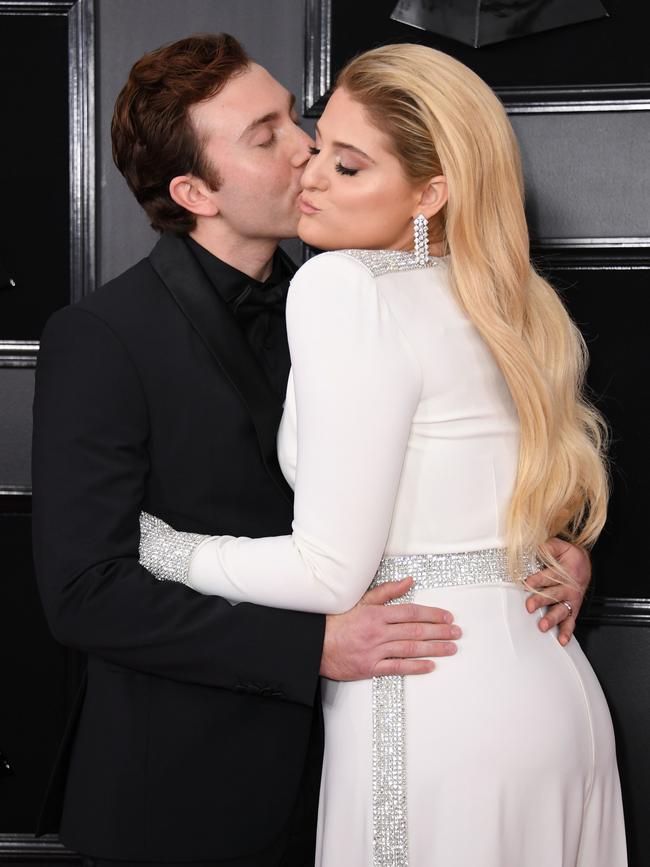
pixel 306 206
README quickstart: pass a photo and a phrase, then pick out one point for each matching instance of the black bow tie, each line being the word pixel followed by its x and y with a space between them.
pixel 258 298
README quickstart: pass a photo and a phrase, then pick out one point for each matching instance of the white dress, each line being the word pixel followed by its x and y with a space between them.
pixel 400 437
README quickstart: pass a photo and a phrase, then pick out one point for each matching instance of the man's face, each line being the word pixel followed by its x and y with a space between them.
pixel 252 137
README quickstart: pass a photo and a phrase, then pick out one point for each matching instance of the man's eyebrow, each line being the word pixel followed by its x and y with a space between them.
pixel 348 147
pixel 267 118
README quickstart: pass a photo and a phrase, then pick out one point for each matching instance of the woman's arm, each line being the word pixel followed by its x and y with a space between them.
pixel 357 385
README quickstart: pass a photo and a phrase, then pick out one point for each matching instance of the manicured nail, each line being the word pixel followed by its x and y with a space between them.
pixel 455 632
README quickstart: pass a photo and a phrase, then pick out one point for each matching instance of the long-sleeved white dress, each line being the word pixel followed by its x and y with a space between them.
pixel 400 437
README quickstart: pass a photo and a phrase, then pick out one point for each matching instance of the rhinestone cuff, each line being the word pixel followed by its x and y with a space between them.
pixel 389 783
pixel 166 552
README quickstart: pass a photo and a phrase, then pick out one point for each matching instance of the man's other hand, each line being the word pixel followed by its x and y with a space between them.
pixel 577 563
pixel 375 639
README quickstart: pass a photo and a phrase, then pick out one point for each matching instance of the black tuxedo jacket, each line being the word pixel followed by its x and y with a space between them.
pixel 191 729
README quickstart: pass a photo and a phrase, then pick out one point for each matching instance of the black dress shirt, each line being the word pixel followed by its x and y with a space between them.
pixel 258 307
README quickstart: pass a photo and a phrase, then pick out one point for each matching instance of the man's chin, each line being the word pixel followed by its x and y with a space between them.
pixel 286 232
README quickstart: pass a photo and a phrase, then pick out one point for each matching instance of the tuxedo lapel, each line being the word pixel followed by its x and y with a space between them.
pixel 213 321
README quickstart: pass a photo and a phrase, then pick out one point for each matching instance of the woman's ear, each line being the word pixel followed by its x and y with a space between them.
pixel 194 195
pixel 433 197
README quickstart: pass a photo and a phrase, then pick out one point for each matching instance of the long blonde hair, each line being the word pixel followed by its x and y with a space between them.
pixel 441 118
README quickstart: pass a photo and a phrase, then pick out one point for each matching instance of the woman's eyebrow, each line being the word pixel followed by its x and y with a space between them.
pixel 349 147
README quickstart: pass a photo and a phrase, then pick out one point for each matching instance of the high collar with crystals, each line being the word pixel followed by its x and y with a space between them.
pixel 380 262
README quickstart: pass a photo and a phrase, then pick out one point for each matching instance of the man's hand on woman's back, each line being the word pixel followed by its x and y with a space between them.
pixel 375 639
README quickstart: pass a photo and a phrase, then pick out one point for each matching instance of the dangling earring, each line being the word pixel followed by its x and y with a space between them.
pixel 421 240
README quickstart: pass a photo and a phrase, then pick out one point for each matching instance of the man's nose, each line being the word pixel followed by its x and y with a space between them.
pixel 301 145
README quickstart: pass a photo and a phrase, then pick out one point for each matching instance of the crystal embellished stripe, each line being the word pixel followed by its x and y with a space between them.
pixel 389 781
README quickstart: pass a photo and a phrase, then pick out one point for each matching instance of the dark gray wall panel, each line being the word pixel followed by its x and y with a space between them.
pixel 16 394
pixel 587 174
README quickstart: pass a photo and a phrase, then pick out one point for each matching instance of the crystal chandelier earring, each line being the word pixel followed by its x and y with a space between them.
pixel 421 240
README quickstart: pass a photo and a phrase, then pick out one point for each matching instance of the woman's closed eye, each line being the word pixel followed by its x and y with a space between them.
pixel 344 170
pixel 340 168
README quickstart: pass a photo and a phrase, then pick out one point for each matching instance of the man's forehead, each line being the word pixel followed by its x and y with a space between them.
pixel 248 97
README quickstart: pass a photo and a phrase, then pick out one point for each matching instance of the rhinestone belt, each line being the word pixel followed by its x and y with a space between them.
pixel 389 817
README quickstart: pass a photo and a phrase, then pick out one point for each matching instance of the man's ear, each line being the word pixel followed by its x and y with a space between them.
pixel 194 195
pixel 433 197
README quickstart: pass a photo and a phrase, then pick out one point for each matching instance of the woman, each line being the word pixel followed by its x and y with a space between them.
pixel 434 427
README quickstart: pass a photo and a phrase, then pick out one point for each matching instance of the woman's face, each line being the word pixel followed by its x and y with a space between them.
pixel 355 193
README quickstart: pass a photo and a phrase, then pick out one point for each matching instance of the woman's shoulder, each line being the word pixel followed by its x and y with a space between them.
pixel 332 278
pixel 332 262
pixel 351 277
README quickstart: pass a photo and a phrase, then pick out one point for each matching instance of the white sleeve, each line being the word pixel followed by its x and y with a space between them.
pixel 357 385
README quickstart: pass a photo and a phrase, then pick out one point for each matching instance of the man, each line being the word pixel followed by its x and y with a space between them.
pixel 196 734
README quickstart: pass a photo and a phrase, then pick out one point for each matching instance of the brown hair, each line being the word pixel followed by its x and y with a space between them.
pixel 153 137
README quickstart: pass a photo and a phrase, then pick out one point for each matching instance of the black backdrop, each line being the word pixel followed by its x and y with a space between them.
pixel 610 50
pixel 34 149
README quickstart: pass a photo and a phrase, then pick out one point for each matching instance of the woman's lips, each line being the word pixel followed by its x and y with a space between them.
pixel 306 207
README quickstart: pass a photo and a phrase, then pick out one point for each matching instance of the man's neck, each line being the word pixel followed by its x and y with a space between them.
pixel 253 257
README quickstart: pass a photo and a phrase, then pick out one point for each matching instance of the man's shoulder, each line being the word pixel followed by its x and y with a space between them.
pixel 123 307
pixel 127 302
pixel 133 290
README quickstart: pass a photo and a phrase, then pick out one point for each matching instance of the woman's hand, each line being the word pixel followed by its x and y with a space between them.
pixel 577 563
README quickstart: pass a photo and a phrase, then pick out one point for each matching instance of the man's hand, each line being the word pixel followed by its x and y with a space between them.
pixel 577 563
pixel 375 639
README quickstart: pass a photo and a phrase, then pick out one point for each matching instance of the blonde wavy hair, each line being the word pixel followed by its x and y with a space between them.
pixel 442 119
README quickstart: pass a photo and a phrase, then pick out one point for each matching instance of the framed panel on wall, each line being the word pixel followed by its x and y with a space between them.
pixel 604 58
pixel 47 248
pixel 47 260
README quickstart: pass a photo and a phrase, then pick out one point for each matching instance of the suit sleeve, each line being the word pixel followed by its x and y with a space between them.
pixel 90 466
pixel 357 385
